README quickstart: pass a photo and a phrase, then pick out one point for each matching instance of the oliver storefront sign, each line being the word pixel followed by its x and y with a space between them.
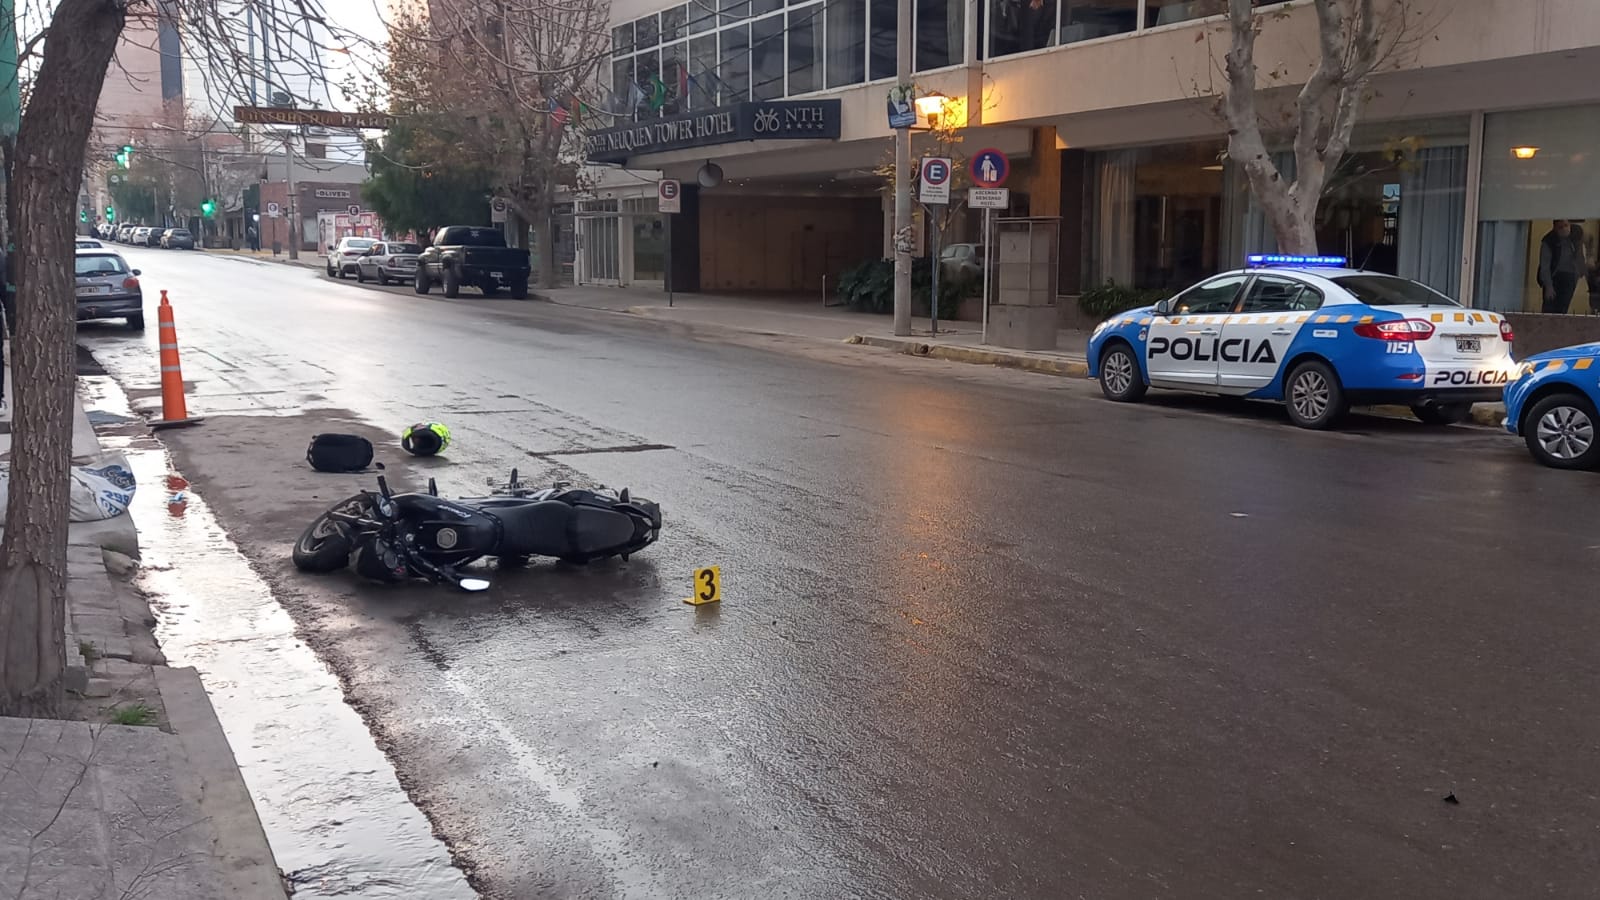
pixel 783 120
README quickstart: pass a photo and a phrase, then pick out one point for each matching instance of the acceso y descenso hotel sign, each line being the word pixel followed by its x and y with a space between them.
pixel 782 120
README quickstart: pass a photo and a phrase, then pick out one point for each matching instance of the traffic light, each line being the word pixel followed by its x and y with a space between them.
pixel 208 207
pixel 83 215
pixel 111 214
pixel 125 156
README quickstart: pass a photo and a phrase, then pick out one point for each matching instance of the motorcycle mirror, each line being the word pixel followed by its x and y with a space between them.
pixel 473 584
pixel 383 486
pixel 433 487
pixel 513 481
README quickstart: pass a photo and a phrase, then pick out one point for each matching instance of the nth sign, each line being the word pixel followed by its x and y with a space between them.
pixel 935 177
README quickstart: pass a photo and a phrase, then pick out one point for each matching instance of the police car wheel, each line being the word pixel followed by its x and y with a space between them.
pixel 1119 375
pixel 1314 396
pixel 1441 413
pixel 1560 431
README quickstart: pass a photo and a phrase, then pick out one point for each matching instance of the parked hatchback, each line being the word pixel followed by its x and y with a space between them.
pixel 106 288
pixel 177 239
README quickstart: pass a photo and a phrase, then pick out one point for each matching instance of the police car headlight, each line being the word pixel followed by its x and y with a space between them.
pixel 1524 370
pixel 1099 328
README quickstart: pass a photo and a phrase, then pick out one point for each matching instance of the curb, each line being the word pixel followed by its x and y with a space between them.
pixel 239 843
pixel 1065 367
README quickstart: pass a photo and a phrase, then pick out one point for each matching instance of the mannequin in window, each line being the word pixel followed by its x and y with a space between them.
pixel 1563 259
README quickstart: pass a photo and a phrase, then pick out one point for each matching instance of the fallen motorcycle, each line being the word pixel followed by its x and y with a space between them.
pixel 391 537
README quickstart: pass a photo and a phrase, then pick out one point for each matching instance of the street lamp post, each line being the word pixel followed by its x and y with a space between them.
pixel 902 180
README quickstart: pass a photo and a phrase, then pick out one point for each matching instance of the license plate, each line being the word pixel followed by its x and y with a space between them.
pixel 408 263
pixel 497 275
pixel 89 290
pixel 1469 344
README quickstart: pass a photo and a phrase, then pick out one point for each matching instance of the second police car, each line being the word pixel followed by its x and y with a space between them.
pixel 1314 334
pixel 1552 401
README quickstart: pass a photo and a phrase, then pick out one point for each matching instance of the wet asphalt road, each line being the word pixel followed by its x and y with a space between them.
pixel 986 634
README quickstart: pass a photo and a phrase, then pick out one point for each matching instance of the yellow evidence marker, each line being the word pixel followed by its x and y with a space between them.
pixel 707 586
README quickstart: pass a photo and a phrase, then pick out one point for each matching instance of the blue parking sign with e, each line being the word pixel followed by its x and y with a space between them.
pixel 936 171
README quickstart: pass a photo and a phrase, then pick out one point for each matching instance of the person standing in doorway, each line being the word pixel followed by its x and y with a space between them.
pixel 1562 261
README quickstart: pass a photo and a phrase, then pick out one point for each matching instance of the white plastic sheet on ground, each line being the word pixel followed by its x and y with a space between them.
pixel 100 490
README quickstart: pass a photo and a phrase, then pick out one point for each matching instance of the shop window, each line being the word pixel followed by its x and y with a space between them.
pixel 1169 12
pixel 766 58
pixel 702 72
pixel 647 75
pixel 1158 216
pixel 672 23
pixel 1537 229
pixel 805 51
pixel 1016 26
pixel 675 76
pixel 646 32
pixel 846 42
pixel 883 54
pixel 734 64
pixel 941 28
pixel 700 17
pixel 621 77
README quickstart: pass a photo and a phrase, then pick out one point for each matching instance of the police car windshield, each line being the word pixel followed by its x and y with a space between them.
pixel 1387 290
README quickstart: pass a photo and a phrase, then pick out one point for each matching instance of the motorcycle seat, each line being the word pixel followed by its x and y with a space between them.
pixel 555 528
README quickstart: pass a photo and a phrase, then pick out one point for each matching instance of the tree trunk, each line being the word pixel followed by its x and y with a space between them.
pixel 49 167
pixel 544 247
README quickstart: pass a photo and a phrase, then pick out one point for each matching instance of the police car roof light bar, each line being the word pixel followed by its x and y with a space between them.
pixel 1278 259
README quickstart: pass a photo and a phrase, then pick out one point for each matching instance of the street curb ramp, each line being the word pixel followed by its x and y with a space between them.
pixel 1068 368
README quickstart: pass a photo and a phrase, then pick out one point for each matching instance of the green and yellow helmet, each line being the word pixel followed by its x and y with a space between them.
pixel 425 439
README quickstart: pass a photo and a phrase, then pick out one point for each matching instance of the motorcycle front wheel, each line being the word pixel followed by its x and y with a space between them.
pixel 326 544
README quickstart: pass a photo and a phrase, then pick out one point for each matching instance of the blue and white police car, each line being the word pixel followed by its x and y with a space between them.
pixel 1552 401
pixel 1312 333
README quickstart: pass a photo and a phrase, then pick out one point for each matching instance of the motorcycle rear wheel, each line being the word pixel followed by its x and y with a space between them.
pixel 326 544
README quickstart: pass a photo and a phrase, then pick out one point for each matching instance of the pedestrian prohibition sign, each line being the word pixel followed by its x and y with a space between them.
pixel 935 178
pixel 990 168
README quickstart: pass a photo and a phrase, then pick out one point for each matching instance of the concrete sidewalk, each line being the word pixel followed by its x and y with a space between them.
pixel 957 341
pixel 801 317
pixel 308 260
pixel 137 793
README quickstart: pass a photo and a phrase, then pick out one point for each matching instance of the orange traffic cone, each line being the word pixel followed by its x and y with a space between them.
pixel 174 411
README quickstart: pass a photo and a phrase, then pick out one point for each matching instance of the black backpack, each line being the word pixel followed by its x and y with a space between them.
pixel 339 453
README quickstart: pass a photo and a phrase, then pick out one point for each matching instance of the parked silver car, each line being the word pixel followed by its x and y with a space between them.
pixel 106 288
pixel 388 260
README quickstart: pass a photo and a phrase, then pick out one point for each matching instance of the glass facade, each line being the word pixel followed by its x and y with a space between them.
pixel 1018 26
pixel 1539 212
pixel 690 57
pixel 1165 217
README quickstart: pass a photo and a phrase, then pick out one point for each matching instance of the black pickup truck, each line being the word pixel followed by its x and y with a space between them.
pixel 475 256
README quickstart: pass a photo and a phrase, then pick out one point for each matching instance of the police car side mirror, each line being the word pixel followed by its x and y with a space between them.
pixel 1163 308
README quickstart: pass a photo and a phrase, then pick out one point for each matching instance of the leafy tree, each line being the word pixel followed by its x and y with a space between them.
pixel 410 194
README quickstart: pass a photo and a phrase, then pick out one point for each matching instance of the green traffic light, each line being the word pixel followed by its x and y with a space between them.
pixel 207 207
pixel 83 215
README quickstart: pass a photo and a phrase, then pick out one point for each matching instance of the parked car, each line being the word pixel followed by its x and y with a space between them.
pixel 122 233
pixel 177 239
pixel 962 258
pixel 387 260
pixel 1552 405
pixel 475 256
pixel 88 243
pixel 342 256
pixel 106 288
pixel 1313 334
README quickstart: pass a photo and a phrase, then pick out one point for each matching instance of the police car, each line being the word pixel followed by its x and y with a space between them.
pixel 1312 333
pixel 1552 402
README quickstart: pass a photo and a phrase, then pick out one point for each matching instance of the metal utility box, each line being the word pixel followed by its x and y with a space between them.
pixel 1023 313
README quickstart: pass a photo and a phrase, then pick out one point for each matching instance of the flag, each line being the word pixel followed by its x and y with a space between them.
pixel 635 96
pixel 558 113
pixel 579 110
pixel 658 92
